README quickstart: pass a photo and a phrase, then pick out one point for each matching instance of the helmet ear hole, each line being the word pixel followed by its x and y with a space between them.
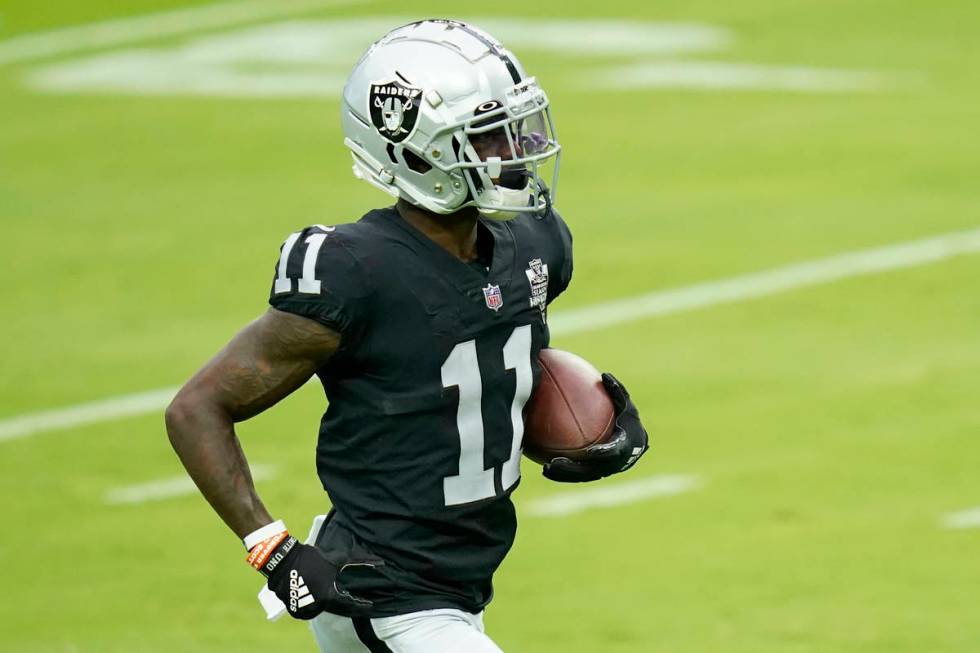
pixel 415 162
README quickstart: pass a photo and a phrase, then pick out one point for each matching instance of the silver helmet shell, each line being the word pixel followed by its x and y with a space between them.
pixel 420 97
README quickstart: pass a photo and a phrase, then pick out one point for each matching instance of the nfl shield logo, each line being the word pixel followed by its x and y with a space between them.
pixel 494 299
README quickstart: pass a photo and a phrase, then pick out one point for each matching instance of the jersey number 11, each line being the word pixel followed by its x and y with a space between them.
pixel 461 369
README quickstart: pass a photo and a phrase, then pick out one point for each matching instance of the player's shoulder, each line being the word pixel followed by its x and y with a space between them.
pixel 547 225
pixel 325 258
pixel 310 250
pixel 545 239
pixel 322 274
pixel 548 231
pixel 348 240
pixel 342 235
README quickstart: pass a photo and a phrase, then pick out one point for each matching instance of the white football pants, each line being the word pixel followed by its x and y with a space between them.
pixel 428 631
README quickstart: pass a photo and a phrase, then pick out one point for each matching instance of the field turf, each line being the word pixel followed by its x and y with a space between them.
pixel 831 427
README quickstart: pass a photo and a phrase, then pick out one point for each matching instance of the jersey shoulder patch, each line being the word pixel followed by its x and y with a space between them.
pixel 551 237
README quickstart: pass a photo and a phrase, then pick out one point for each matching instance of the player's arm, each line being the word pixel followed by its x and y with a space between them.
pixel 629 439
pixel 267 360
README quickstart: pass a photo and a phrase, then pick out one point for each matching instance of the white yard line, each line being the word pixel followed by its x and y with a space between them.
pixel 589 318
pixel 87 413
pixel 963 519
pixel 740 76
pixel 156 25
pixel 312 58
pixel 771 282
pixel 168 488
pixel 585 498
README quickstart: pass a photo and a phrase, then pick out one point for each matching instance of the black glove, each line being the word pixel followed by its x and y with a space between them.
pixel 628 442
pixel 305 579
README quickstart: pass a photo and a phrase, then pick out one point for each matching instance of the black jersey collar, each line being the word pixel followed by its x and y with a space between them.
pixel 463 274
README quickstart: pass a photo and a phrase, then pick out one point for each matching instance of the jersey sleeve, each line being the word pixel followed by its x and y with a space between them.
pixel 559 282
pixel 317 277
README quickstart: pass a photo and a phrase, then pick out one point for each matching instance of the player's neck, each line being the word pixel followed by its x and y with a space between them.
pixel 455 232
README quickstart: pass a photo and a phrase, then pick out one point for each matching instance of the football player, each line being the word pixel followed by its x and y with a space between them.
pixel 423 321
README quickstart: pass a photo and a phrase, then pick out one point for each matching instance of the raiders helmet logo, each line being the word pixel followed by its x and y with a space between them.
pixel 394 108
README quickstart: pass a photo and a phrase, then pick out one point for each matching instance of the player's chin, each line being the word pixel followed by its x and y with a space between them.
pixel 514 179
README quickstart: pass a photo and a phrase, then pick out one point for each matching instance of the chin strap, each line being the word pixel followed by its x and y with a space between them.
pixel 544 192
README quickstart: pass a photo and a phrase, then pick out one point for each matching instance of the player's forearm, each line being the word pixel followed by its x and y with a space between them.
pixel 203 435
pixel 264 362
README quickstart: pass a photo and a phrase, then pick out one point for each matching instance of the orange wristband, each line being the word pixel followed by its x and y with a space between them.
pixel 259 554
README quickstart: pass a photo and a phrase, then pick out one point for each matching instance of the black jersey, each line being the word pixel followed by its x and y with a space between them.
pixel 420 446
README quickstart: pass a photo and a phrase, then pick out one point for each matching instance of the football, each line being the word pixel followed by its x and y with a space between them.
pixel 569 411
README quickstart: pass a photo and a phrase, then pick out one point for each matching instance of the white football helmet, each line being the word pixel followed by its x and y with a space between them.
pixel 423 102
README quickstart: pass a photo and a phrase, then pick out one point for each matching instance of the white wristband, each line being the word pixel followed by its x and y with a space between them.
pixel 264 533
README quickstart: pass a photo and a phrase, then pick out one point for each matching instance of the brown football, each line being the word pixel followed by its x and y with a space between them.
pixel 569 411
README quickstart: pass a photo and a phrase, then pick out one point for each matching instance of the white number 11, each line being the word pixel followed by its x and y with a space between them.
pixel 462 370
pixel 308 283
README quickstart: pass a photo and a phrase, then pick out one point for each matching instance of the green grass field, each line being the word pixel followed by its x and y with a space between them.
pixel 831 427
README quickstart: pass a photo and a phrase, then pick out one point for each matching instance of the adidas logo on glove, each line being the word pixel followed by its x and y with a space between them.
pixel 299 594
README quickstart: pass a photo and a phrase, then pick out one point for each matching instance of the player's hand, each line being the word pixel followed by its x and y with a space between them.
pixel 305 580
pixel 627 443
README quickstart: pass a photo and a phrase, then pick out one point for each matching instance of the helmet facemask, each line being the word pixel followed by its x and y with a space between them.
pixel 506 152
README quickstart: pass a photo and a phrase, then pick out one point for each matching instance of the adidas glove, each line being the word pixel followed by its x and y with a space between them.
pixel 303 577
pixel 628 442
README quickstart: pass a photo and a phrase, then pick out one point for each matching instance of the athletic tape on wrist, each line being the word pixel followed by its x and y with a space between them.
pixel 264 533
